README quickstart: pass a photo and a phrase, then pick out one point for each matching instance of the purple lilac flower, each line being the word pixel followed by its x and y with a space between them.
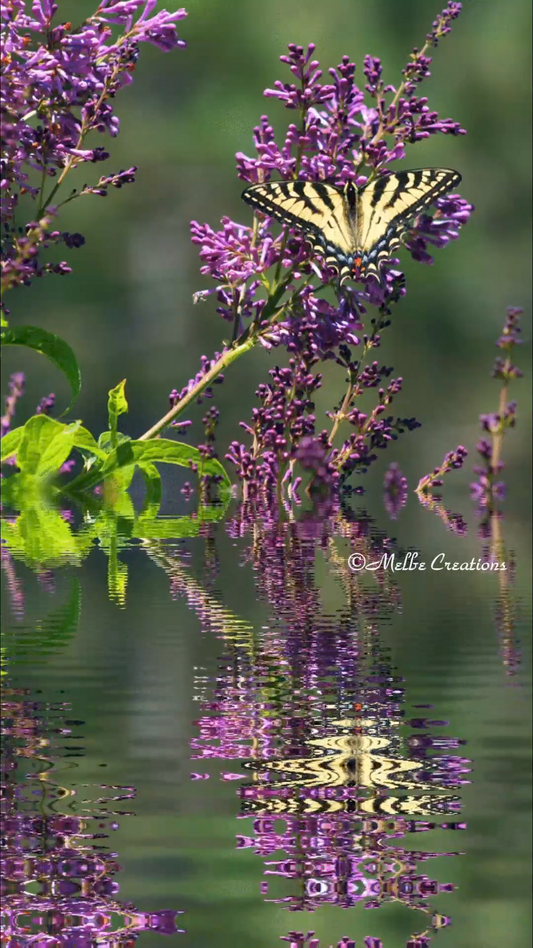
pixel 452 461
pixel 58 84
pixel 395 490
pixel 285 442
pixel 487 490
pixel 46 405
pixel 338 136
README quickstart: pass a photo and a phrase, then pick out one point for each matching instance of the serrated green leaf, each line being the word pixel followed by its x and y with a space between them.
pixel 50 345
pixel 10 442
pixel 116 405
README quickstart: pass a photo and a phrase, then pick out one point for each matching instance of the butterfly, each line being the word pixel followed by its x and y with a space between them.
pixel 354 228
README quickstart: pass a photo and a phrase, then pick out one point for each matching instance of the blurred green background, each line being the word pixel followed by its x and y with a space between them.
pixel 127 308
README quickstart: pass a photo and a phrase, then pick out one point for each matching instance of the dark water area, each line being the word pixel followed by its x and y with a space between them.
pixel 238 727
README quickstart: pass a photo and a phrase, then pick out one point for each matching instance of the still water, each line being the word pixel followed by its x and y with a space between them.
pixel 235 726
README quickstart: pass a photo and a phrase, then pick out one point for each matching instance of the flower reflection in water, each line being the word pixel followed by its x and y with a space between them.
pixel 58 877
pixel 338 776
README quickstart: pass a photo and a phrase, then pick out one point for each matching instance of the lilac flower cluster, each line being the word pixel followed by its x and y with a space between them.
pixel 46 405
pixel 58 84
pixel 339 137
pixel 283 430
pixel 452 461
pixel 487 489
pixel 283 433
pixel 270 286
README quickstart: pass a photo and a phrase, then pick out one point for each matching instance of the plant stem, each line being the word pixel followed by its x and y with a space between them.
pixel 497 436
pixel 353 382
pixel 340 415
pixel 246 341
pixel 221 363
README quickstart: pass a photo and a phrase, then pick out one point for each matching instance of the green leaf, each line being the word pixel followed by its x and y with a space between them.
pixel 152 482
pixel 104 441
pixel 116 405
pixel 57 452
pixel 56 349
pixel 38 434
pixel 143 452
pixel 45 444
pixel 84 441
pixel 174 452
pixel 10 442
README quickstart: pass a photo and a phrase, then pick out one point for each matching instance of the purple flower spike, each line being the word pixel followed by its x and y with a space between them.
pixel 46 405
pixel 453 460
pixel 487 491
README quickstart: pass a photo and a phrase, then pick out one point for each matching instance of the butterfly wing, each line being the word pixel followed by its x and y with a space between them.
pixel 388 204
pixel 319 210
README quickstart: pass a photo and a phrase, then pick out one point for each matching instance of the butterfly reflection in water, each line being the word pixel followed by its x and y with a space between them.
pixel 354 228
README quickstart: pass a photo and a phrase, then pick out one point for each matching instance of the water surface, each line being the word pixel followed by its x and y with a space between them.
pixel 236 726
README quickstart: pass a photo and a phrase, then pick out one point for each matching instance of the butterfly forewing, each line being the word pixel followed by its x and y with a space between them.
pixel 317 209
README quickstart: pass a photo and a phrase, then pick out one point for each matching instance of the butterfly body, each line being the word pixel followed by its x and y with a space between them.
pixel 354 228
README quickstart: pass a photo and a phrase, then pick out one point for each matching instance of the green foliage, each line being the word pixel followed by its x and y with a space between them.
pixel 43 445
pixel 41 537
pixel 10 442
pixel 144 454
pixel 116 405
pixel 50 345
